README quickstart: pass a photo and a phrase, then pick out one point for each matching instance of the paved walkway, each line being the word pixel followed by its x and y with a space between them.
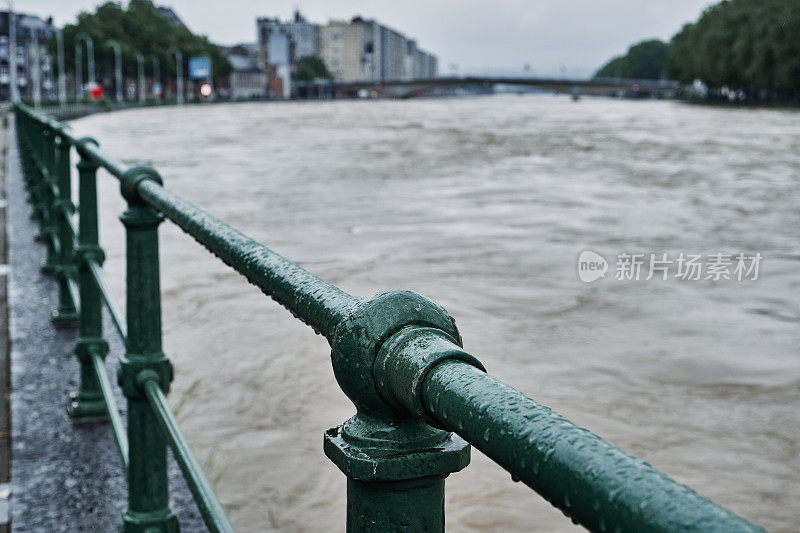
pixel 64 476
pixel 5 414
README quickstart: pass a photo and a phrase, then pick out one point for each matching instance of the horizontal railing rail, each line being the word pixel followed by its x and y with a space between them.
pixel 78 108
pixel 420 399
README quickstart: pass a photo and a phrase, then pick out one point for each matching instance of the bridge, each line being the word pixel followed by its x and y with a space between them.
pixel 421 400
pixel 597 86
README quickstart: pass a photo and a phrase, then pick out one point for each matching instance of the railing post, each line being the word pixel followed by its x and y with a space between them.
pixel 20 124
pixel 33 179
pixel 88 403
pixel 66 314
pixel 36 138
pixel 148 495
pixel 26 157
pixel 47 229
pixel 395 464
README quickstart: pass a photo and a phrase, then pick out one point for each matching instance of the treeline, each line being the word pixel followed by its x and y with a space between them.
pixel 138 28
pixel 646 60
pixel 750 47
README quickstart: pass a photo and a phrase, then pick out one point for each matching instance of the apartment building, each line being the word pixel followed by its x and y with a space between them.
pixel 365 50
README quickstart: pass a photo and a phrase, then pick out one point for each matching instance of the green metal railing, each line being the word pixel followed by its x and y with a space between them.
pixel 419 397
pixel 82 107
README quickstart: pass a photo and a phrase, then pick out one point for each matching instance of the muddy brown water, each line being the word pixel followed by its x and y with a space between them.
pixel 483 204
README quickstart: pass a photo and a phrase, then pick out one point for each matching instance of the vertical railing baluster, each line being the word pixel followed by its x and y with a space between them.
pixel 20 122
pixel 33 142
pixel 66 314
pixel 47 228
pixel 33 180
pixel 88 403
pixel 22 126
pixel 148 494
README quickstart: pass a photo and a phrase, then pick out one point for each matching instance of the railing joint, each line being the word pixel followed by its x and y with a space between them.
pixel 89 403
pixel 86 253
pixel 130 180
pixel 86 161
pixel 133 373
pixel 406 359
pixel 395 463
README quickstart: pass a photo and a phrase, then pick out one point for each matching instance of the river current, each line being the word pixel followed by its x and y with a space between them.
pixel 484 205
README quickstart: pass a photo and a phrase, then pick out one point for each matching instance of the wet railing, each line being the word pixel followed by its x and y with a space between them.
pixel 78 108
pixel 420 399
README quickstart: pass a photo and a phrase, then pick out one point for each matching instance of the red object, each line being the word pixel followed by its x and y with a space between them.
pixel 96 92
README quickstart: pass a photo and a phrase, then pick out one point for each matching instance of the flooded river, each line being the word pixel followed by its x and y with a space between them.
pixel 483 205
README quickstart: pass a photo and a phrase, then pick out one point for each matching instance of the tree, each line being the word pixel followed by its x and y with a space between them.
pixel 139 28
pixel 645 60
pixel 751 46
pixel 310 68
pixel 743 45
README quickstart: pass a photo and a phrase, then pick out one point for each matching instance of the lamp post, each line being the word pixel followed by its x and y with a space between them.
pixel 62 80
pixel 12 52
pixel 179 73
pixel 210 73
pixel 83 37
pixel 156 75
pixel 78 70
pixel 36 70
pixel 141 91
pixel 111 43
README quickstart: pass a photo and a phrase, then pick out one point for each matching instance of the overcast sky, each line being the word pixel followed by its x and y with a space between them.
pixel 571 37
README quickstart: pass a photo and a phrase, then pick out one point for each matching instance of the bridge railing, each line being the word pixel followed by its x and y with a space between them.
pixel 419 397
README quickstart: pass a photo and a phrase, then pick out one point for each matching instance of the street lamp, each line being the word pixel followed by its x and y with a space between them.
pixel 78 70
pixel 62 80
pixel 12 52
pixel 140 61
pixel 83 37
pixel 210 73
pixel 111 43
pixel 178 71
pixel 156 75
pixel 36 71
